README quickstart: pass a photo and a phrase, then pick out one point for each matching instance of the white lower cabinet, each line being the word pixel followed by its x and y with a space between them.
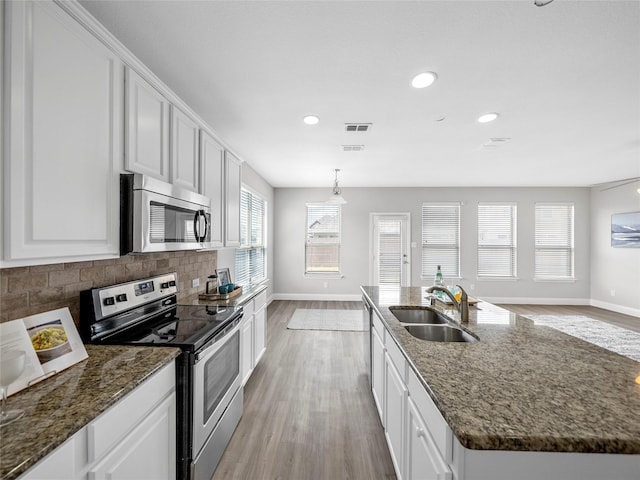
pixel 253 334
pixel 246 342
pixel 424 462
pixel 377 370
pixel 395 405
pixel 260 329
pixel 134 439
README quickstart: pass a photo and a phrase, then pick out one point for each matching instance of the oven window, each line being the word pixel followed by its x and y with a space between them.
pixel 219 373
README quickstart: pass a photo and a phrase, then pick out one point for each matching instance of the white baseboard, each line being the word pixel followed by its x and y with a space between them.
pixel 537 301
pixel 336 297
pixel 616 308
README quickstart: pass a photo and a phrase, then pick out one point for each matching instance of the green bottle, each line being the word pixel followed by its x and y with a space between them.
pixel 438 280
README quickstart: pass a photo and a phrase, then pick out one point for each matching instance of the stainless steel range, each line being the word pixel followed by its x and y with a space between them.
pixel 208 384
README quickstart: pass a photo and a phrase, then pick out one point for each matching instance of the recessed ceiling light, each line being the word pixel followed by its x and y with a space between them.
pixel 487 117
pixel 423 80
pixel 311 120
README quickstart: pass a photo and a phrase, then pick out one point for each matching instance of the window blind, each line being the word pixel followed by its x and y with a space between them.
pixel 390 252
pixel 322 246
pixel 496 240
pixel 441 239
pixel 251 255
pixel 554 250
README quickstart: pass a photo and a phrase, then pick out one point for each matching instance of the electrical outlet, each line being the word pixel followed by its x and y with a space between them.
pixel 472 286
pixel 195 282
pixel 613 293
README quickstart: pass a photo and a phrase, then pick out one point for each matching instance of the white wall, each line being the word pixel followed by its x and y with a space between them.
pixel 615 269
pixel 290 281
pixel 227 256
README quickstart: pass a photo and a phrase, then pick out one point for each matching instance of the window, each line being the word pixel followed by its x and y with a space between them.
pixel 441 239
pixel 496 240
pixel 554 241
pixel 322 248
pixel 251 255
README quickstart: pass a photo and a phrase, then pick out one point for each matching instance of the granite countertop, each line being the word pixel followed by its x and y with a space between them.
pixel 58 407
pixel 522 386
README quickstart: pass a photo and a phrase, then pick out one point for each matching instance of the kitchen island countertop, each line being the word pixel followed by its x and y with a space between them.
pixel 58 407
pixel 522 386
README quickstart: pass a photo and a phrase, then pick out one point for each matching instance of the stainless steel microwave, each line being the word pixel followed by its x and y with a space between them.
pixel 158 217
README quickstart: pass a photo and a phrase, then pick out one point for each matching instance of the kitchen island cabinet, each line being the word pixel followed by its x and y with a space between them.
pixel 105 417
pixel 63 138
pixel 525 401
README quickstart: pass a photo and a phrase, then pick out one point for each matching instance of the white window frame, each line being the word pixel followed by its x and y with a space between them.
pixel 554 241
pixel 449 224
pixel 490 228
pixel 320 206
pixel 247 244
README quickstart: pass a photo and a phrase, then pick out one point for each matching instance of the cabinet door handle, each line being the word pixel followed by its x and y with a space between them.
pixel 420 432
pixel 200 215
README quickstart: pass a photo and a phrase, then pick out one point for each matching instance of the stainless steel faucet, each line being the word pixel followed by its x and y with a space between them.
pixel 462 306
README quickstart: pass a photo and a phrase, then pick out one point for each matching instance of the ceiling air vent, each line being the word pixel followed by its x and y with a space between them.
pixel 352 148
pixel 495 143
pixel 357 127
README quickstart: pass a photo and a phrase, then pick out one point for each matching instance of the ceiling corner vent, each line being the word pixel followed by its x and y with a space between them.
pixel 357 127
pixel 352 148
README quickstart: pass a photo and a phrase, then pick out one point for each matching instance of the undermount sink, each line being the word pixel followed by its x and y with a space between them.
pixel 419 315
pixel 439 333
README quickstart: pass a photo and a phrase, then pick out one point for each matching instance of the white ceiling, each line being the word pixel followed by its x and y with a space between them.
pixel 565 79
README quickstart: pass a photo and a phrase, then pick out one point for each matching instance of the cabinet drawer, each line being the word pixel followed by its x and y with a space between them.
pixel 377 324
pixel 114 424
pixel 396 356
pixel 435 422
pixel 260 300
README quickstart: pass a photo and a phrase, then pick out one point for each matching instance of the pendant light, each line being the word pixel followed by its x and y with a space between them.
pixel 336 197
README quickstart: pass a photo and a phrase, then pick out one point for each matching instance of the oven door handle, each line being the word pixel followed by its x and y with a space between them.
pixel 212 346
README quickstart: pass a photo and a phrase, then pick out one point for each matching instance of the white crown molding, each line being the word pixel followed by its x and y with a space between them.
pixel 78 12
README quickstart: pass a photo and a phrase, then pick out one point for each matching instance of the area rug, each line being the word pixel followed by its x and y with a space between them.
pixel 614 338
pixel 324 319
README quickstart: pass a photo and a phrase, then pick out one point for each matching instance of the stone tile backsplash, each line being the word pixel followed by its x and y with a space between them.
pixel 26 291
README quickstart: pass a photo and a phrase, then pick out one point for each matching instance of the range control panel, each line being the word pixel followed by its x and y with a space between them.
pixel 121 297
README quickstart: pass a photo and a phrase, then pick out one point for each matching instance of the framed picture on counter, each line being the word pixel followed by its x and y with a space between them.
pixel 224 277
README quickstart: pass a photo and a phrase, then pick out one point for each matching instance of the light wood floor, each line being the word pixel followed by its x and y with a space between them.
pixel 308 411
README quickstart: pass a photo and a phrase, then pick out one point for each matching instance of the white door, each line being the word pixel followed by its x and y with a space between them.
pixel 391 262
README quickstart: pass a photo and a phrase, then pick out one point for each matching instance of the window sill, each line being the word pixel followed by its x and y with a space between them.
pixel 323 276
pixel 498 279
pixel 554 280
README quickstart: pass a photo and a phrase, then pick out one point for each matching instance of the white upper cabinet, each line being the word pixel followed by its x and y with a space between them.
pixel 233 189
pixel 185 158
pixel 212 179
pixel 63 138
pixel 147 127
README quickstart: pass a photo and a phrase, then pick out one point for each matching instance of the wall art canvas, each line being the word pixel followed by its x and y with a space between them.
pixel 625 229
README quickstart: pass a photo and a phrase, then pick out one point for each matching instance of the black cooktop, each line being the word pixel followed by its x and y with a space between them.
pixel 185 326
